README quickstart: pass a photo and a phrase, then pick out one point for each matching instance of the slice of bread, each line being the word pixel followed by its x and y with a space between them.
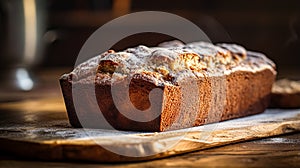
pixel 286 94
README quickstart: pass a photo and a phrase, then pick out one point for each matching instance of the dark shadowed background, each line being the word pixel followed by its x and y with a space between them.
pixel 272 27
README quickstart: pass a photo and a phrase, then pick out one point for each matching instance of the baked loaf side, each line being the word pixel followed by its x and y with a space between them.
pixel 195 84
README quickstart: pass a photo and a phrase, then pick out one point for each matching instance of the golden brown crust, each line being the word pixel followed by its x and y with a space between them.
pixel 194 59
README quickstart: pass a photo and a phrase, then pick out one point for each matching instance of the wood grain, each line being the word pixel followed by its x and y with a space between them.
pixel 39 129
pixel 279 151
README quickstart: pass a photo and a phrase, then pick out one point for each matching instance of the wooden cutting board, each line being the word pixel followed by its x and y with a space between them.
pixel 39 129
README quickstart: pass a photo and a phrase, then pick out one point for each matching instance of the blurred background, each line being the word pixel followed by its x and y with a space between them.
pixel 40 34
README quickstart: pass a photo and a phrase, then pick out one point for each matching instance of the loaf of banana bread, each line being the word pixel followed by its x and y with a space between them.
pixel 168 87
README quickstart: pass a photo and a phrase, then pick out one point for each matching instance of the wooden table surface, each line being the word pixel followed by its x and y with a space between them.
pixel 279 151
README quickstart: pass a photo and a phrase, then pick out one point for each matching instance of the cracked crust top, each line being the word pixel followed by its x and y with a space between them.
pixel 170 62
